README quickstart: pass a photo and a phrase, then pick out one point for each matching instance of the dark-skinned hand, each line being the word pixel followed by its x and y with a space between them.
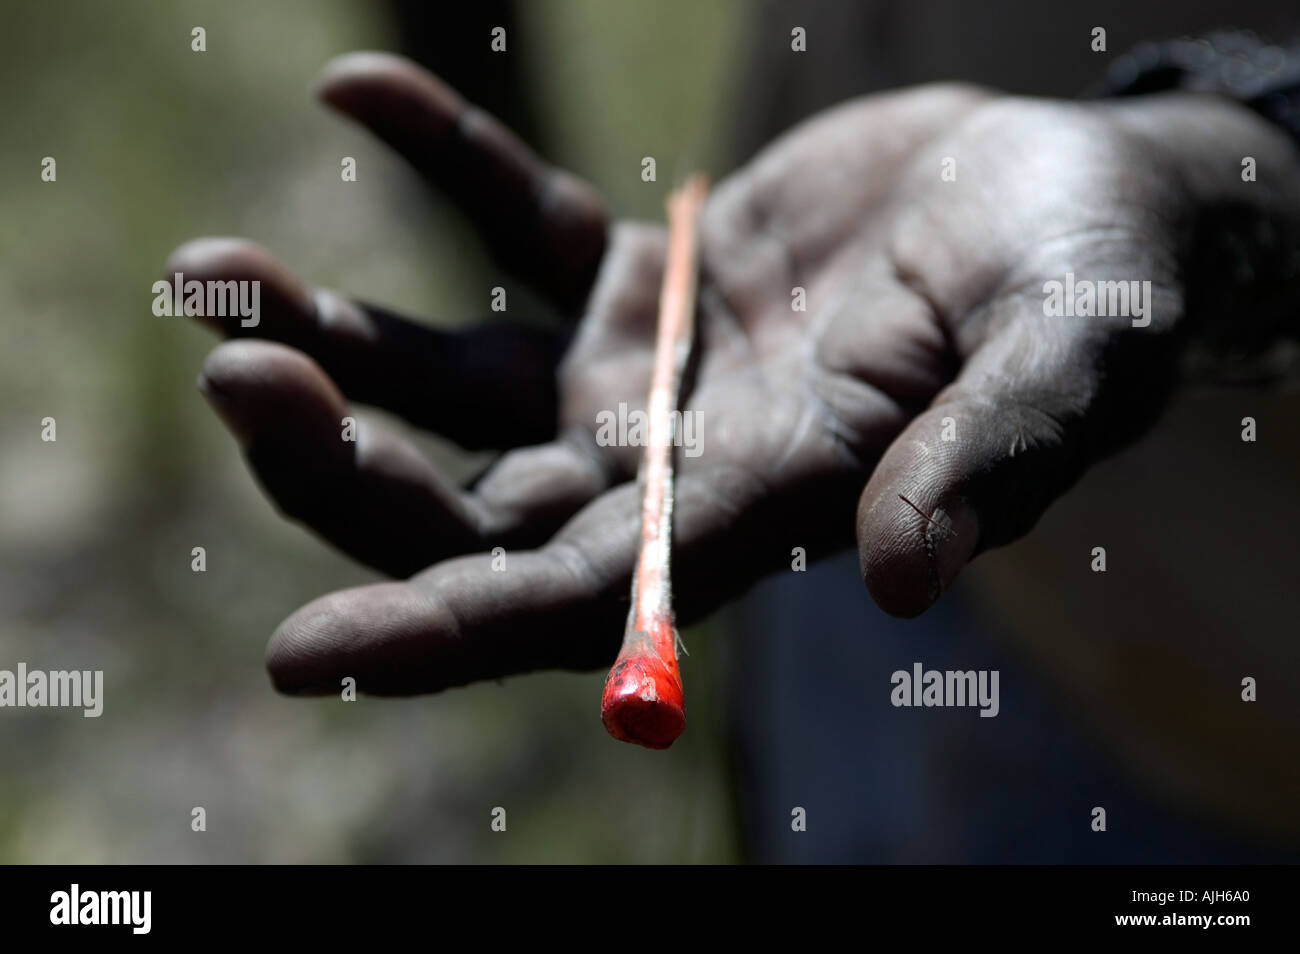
pixel 924 302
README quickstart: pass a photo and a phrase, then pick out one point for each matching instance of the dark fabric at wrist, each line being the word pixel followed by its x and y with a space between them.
pixel 1234 63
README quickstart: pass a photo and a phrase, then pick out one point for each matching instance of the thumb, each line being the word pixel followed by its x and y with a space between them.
pixel 1033 406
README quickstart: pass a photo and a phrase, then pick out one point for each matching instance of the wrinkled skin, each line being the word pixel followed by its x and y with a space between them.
pixel 924 303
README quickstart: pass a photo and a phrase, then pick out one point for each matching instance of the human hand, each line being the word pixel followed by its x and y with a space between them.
pixel 924 320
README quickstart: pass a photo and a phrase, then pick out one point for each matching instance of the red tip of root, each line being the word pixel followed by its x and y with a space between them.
pixel 643 701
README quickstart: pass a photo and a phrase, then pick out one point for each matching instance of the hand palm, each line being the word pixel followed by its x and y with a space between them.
pixel 923 313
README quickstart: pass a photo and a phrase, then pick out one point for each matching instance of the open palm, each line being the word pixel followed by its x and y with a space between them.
pixel 864 323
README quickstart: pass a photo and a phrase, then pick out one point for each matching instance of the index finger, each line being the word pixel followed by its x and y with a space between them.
pixel 561 606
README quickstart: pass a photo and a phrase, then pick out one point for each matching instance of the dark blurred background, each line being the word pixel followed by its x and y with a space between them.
pixel 1121 690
